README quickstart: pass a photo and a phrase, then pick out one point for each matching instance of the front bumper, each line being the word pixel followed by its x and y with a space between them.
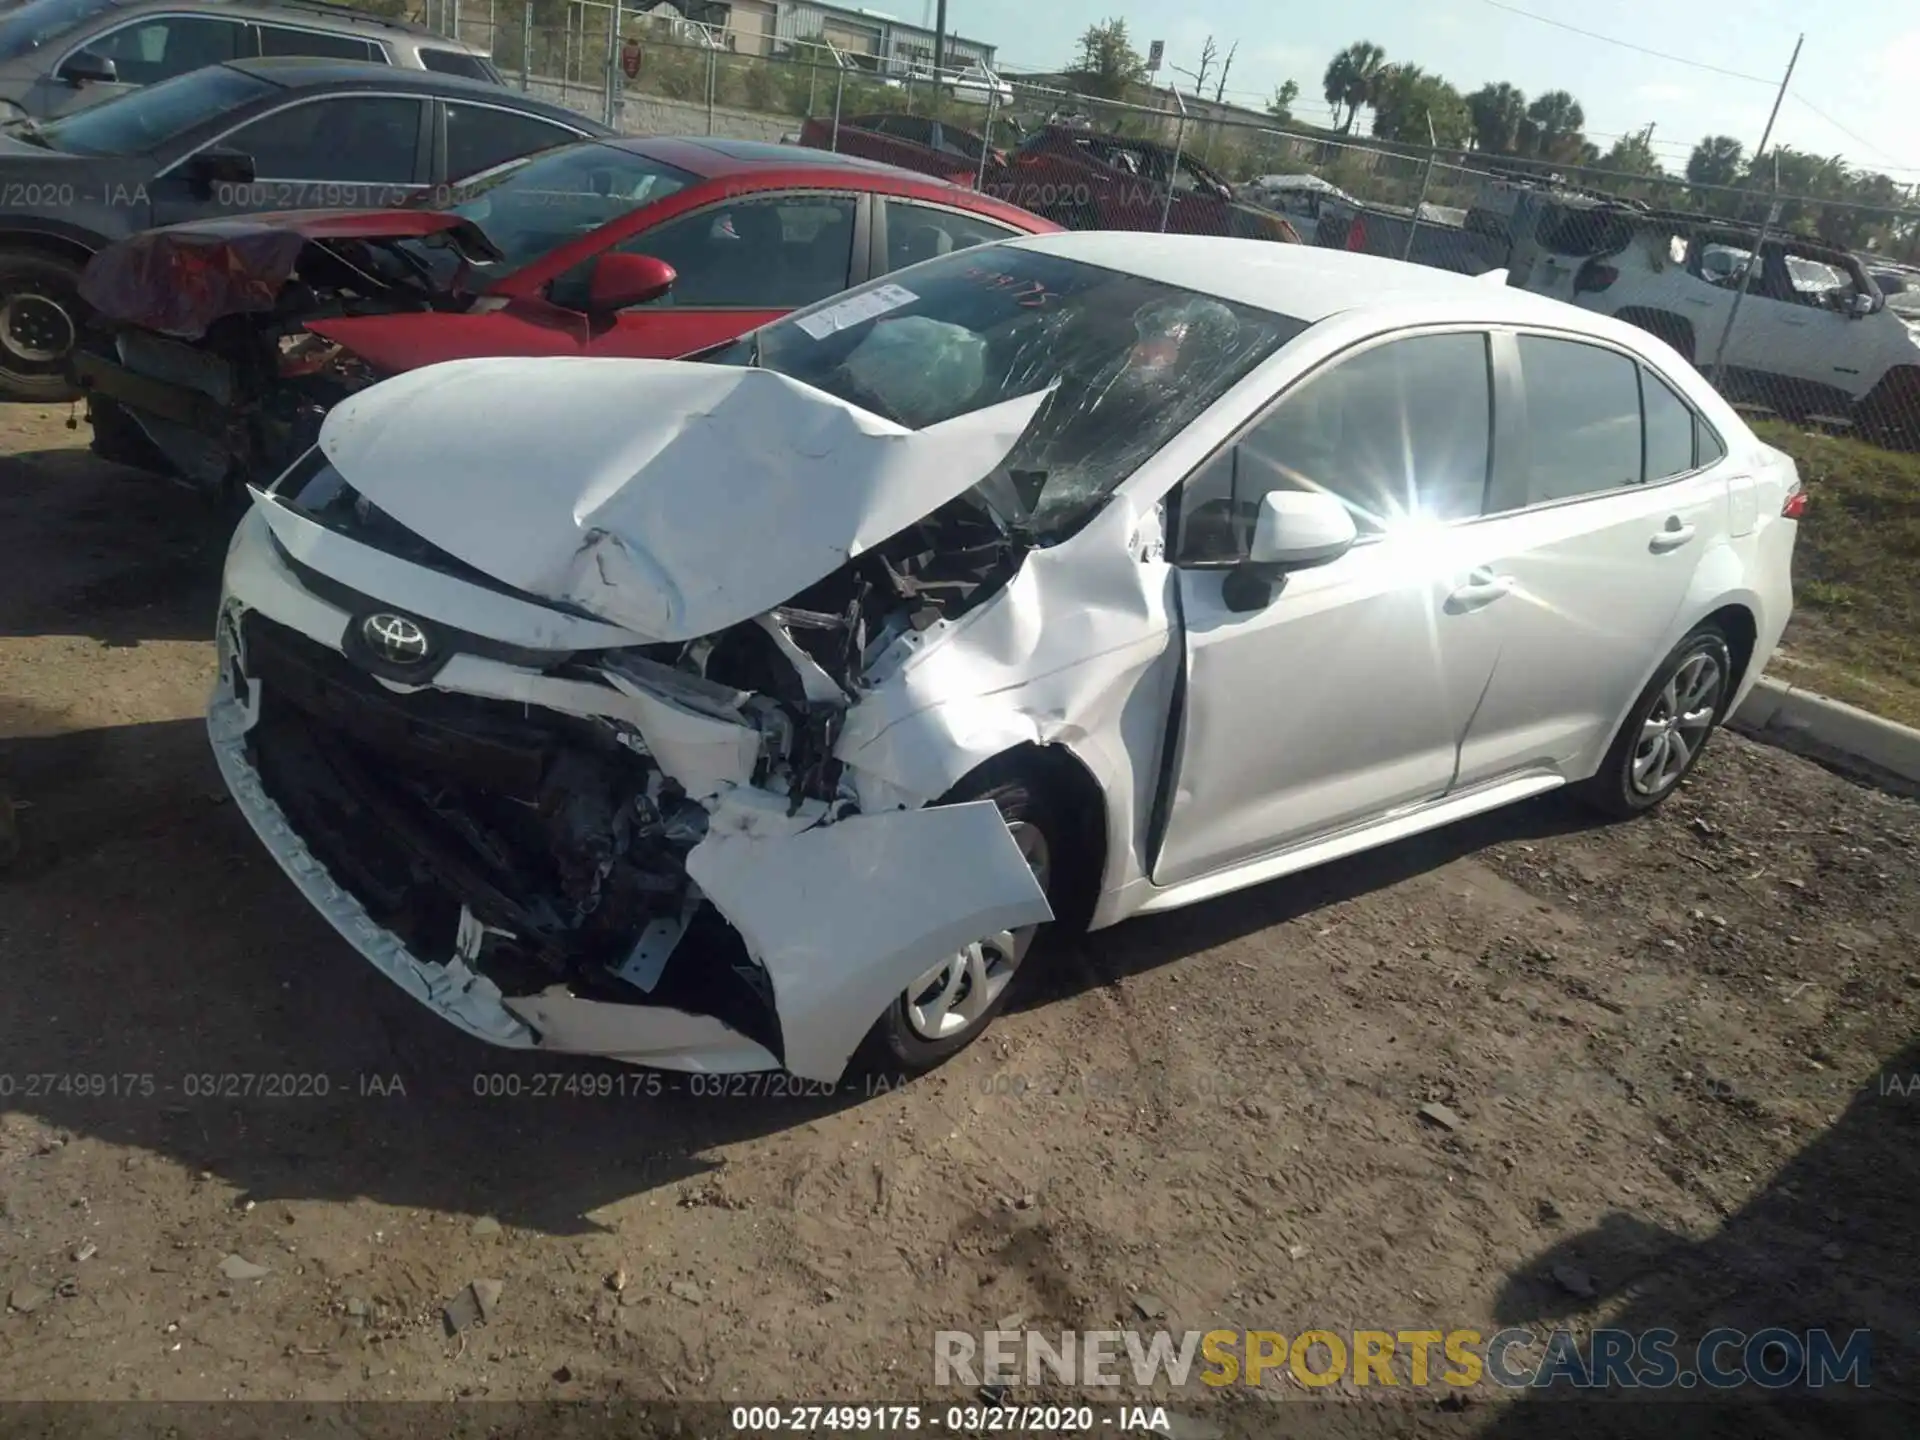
pixel 554 1020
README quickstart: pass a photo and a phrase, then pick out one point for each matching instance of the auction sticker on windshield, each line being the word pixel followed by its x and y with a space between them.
pixel 853 310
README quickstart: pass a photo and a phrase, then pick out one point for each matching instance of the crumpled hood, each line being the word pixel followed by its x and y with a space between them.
pixel 672 498
pixel 179 279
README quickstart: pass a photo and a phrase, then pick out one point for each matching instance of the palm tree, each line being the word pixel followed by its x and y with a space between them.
pixel 1715 161
pixel 1351 79
pixel 1552 129
pixel 1498 112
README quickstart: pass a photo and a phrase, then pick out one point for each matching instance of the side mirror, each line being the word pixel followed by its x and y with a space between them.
pixel 620 279
pixel 1292 530
pixel 218 165
pixel 1298 528
pixel 1860 305
pixel 86 68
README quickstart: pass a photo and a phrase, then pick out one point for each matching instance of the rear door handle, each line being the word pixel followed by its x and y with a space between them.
pixel 1483 587
pixel 1676 534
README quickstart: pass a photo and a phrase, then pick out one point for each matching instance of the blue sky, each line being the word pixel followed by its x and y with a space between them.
pixel 1859 69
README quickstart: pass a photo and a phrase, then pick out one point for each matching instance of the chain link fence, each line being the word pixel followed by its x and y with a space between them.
pixel 1805 308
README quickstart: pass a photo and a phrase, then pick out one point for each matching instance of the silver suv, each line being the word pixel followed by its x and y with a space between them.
pixel 62 55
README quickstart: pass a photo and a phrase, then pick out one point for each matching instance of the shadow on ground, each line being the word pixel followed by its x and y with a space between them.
pixel 99 550
pixel 1828 1243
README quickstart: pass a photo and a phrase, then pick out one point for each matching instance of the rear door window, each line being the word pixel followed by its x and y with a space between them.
pixel 918 232
pixel 482 136
pixel 287 40
pixel 1583 419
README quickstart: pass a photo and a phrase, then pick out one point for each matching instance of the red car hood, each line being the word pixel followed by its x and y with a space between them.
pixel 180 279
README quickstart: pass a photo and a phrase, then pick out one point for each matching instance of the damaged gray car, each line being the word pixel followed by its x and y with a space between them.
pixel 753 711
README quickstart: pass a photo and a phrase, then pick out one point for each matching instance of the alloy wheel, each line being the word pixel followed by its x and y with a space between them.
pixel 1677 725
pixel 955 994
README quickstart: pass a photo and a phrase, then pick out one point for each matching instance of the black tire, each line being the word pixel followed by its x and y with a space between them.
pixel 1614 789
pixel 40 320
pixel 896 1046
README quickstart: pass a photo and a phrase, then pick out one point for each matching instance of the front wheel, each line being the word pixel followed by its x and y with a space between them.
pixel 952 1004
pixel 1668 727
pixel 40 313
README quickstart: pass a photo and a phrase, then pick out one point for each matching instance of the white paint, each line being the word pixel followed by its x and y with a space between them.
pixel 427 593
pixel 927 882
pixel 669 498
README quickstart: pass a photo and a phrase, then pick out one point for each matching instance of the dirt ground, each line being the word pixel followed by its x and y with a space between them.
pixel 1675 1051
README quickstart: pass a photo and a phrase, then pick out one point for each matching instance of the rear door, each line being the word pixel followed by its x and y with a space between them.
pixel 1606 504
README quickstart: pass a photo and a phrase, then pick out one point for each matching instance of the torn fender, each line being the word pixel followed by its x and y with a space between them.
pixel 179 279
pixel 670 498
pixel 845 916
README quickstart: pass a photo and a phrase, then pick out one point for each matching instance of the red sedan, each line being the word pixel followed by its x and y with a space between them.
pixel 633 247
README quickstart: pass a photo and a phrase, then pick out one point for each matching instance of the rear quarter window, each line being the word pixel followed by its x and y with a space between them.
pixel 458 62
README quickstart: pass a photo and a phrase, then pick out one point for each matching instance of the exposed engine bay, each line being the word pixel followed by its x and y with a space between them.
pixel 199 363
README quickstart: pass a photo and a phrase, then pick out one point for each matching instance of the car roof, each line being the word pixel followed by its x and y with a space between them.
pixel 712 157
pixel 1305 282
pixel 318 12
pixel 303 72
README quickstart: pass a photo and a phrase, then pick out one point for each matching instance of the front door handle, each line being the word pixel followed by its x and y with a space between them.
pixel 1677 533
pixel 1483 587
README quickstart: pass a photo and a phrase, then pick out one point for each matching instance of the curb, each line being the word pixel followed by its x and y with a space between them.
pixel 1784 714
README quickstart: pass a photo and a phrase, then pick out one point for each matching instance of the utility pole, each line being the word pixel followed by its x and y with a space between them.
pixel 1781 94
pixel 940 40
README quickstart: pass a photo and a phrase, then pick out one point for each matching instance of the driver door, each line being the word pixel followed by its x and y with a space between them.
pixel 355 152
pixel 740 264
pixel 143 51
pixel 1346 696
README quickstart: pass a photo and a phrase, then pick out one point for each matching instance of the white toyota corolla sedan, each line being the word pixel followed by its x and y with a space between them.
pixel 753 712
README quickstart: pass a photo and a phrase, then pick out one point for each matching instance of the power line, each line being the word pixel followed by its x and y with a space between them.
pixel 1857 139
pixel 1629 45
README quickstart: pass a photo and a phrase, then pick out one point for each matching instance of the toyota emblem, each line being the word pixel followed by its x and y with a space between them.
pixel 395 639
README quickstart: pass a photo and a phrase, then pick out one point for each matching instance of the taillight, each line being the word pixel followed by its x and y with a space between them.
pixel 1594 276
pixel 1796 505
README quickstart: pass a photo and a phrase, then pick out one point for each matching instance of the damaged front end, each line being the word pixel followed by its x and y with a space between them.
pixel 560 832
pixel 198 362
